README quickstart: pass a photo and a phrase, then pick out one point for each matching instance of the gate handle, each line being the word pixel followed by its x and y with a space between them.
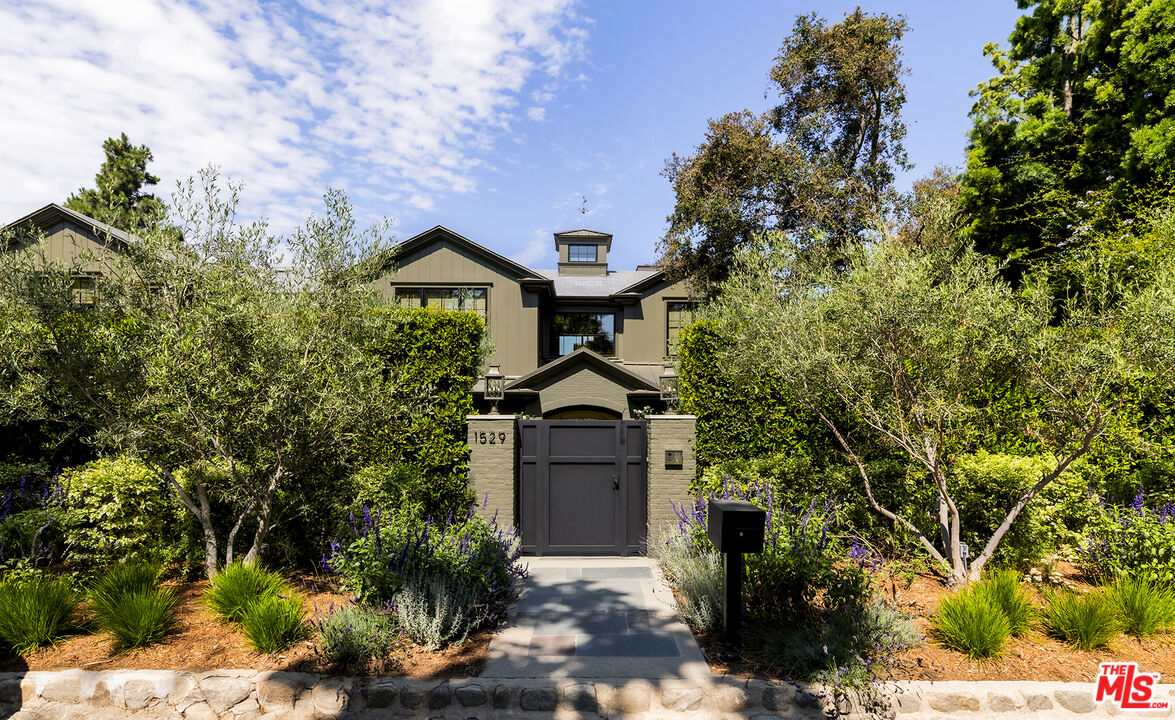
pixel 615 482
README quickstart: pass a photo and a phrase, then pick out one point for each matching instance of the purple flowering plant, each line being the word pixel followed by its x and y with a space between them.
pixel 1132 539
pixel 385 546
pixel 30 526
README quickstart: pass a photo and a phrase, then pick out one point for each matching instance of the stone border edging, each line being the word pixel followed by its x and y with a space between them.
pixel 251 695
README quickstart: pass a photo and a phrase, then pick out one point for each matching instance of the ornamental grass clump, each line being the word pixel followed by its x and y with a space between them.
pixel 128 603
pixel 1086 622
pixel 274 623
pixel 35 610
pixel 1145 609
pixel 1006 591
pixel 238 586
pixel 351 636
pixel 972 623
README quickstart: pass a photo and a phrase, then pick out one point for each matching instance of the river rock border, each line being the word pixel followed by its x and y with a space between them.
pixel 252 695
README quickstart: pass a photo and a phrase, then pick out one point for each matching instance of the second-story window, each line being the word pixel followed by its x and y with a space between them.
pixel 580 329
pixel 581 253
pixel 448 298
pixel 679 314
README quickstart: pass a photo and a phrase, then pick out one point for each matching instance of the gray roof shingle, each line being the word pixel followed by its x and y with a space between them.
pixel 613 282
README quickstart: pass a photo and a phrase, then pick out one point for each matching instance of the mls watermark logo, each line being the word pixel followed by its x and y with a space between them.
pixel 1123 685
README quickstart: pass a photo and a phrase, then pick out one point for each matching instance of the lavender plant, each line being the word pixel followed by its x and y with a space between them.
pixel 810 600
pixel 467 564
pixel 350 636
pixel 30 525
pixel 1133 540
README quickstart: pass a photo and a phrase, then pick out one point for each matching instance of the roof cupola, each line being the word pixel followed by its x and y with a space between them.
pixel 583 253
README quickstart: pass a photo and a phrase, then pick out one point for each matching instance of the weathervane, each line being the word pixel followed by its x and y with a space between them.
pixel 583 209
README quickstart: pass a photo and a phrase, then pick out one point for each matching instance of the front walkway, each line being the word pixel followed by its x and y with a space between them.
pixel 600 617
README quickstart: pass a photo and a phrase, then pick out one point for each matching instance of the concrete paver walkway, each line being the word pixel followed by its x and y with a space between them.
pixel 609 617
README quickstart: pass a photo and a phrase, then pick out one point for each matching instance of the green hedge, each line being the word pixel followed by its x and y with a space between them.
pixel 436 356
pixel 739 420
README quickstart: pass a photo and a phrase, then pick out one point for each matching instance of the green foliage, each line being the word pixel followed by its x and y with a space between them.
pixel 820 165
pixel 1133 541
pixel 352 635
pixel 740 418
pixel 35 610
pixel 274 623
pixel 987 485
pixel 118 512
pixel 970 622
pixel 1145 609
pixel 1006 591
pixel 1079 104
pixel 237 587
pixel 435 355
pixel 1087 622
pixel 119 580
pixel 119 199
pixel 696 573
pixel 138 618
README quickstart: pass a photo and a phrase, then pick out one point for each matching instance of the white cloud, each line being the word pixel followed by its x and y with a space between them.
pixel 537 114
pixel 400 102
pixel 539 250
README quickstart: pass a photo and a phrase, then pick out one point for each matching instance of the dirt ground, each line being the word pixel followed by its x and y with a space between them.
pixel 201 642
pixel 1034 656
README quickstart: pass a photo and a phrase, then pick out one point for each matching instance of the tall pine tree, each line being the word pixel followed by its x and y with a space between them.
pixel 119 199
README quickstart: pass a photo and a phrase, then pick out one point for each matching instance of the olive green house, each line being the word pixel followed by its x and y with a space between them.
pixel 573 441
pixel 580 341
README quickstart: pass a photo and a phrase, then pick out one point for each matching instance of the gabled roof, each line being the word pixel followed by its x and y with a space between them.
pixel 440 232
pixel 587 286
pixel 53 213
pixel 583 356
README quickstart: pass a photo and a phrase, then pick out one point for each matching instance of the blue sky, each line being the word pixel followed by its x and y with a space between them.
pixel 492 117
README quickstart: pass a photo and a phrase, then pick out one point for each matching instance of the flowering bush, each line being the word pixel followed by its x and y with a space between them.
pixel 809 598
pixel 30 525
pixel 393 553
pixel 1132 540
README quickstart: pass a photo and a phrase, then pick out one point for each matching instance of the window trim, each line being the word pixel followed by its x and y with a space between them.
pixel 574 246
pixel 694 305
pixel 422 295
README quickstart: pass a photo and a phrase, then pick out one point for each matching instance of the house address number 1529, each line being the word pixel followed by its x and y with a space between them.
pixel 481 437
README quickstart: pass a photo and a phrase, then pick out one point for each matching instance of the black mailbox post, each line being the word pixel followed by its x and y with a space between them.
pixel 735 527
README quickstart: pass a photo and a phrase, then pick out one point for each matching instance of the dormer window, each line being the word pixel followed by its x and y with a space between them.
pixel 581 253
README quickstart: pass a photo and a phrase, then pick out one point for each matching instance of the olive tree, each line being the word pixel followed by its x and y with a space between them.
pixel 235 364
pixel 905 345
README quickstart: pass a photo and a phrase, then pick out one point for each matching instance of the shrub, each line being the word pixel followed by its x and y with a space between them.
pixel 395 486
pixel 1144 608
pixel 238 586
pixel 274 623
pixel 986 485
pixel 35 610
pixel 1087 622
pixel 1132 540
pixel 437 609
pixel 139 618
pixel 471 560
pixel 31 522
pixel 350 636
pixel 117 511
pixel 697 575
pixel 1005 590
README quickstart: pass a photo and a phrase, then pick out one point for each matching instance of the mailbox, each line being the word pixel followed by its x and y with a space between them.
pixel 735 526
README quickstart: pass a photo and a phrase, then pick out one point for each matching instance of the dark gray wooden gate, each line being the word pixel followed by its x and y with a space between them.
pixel 582 486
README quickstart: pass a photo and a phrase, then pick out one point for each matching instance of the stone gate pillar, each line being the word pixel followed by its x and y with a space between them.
pixel 492 465
pixel 671 465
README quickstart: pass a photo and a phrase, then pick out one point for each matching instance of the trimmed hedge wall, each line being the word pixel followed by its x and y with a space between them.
pixel 740 420
pixel 436 356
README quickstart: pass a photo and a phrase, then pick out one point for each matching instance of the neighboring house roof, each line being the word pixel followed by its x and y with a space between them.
pixel 616 281
pixel 634 380
pixel 53 213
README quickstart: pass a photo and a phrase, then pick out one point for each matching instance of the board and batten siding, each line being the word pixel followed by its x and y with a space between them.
pixel 512 313
pixel 66 243
pixel 642 338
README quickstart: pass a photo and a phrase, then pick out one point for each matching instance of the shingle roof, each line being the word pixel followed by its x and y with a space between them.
pixel 613 282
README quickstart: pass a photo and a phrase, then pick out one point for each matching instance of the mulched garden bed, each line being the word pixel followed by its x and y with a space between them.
pixel 1034 656
pixel 201 642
